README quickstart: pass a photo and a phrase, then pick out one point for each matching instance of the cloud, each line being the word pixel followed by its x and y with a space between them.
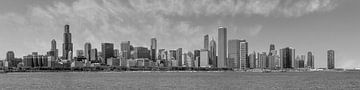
pixel 254 31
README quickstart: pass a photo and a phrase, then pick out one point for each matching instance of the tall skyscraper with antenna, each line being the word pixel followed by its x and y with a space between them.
pixel 67 45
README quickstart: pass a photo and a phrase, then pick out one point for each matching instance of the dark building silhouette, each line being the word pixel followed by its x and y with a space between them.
pixel 141 52
pixel 53 51
pixel 125 49
pixel 153 48
pixel 310 60
pixel 331 59
pixel 35 60
pixel 272 47
pixel 206 42
pixel 222 50
pixel 212 54
pixel 107 50
pixel 287 57
pixel 87 51
pixel 233 53
pixel 67 45
pixel 10 55
pixel 179 56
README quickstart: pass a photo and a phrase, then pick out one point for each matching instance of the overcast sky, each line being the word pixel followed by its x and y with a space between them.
pixel 306 25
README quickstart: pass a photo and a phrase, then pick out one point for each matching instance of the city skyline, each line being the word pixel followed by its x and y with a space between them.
pixel 311 30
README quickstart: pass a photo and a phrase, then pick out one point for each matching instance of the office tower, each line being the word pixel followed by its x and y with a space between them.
pixel 310 60
pixel 244 61
pixel 272 47
pixel 222 50
pixel 53 50
pixel 197 58
pixel 87 51
pixel 302 61
pixel 107 50
pixel 10 55
pixel 153 49
pixel 252 60
pixel 263 60
pixel 172 55
pixel 94 55
pixel 204 58
pixel 206 42
pixel 67 45
pixel 162 54
pixel 212 54
pixel 125 49
pixel 116 53
pixel 287 57
pixel 79 53
pixel 188 60
pixel 141 52
pixel 179 56
pixel 331 59
pixel 297 60
pixel 233 53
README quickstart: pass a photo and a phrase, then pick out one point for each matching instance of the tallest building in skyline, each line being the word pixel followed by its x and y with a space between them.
pixel 67 45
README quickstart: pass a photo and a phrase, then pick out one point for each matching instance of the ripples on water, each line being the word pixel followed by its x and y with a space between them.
pixel 179 80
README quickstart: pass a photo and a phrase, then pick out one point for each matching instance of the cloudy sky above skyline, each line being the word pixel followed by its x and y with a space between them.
pixel 306 25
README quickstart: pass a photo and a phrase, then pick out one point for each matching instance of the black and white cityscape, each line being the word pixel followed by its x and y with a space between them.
pixel 179 44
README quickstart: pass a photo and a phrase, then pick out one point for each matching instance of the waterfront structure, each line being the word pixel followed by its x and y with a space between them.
pixel 179 57
pixel 287 57
pixel 206 42
pixel 310 60
pixel 87 51
pixel 197 57
pixel 125 49
pixel 222 50
pixel 113 61
pixel 11 61
pixel 331 59
pixel 35 60
pixel 244 61
pixel 212 54
pixel 67 45
pixel 107 50
pixel 204 58
pixel 153 48
pixel 141 52
pixel 233 53
pixel 262 60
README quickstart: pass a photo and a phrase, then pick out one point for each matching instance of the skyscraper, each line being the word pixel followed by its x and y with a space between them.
pixel 153 49
pixel 53 49
pixel 310 60
pixel 222 52
pixel 206 42
pixel 141 52
pixel 10 55
pixel 94 55
pixel 287 57
pixel 179 56
pixel 107 50
pixel 79 53
pixel 252 60
pixel 233 54
pixel 331 59
pixel 272 47
pixel 125 49
pixel 67 45
pixel 212 54
pixel 204 58
pixel 244 61
pixel 87 51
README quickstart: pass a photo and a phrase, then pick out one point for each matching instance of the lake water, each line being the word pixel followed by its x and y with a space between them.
pixel 180 80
